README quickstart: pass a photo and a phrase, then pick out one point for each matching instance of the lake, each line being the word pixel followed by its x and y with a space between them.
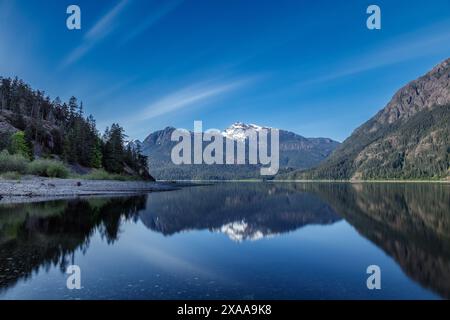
pixel 233 241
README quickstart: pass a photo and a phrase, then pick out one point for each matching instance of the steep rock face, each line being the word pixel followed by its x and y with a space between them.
pixel 5 126
pixel 6 130
pixel 409 138
pixel 427 92
pixel 8 127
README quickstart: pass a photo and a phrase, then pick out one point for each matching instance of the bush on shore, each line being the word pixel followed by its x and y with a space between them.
pixel 13 166
pixel 11 175
pixel 12 162
pixel 48 168
pixel 101 174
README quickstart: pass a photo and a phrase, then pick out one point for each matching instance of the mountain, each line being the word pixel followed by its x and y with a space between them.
pixel 408 139
pixel 296 152
pixel 134 145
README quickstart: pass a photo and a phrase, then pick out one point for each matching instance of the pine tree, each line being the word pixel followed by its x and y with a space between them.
pixel 19 145
pixel 113 151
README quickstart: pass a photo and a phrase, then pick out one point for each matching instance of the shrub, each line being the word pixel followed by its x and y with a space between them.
pixel 97 174
pixel 57 170
pixel 38 167
pixel 101 174
pixel 48 168
pixel 11 175
pixel 12 162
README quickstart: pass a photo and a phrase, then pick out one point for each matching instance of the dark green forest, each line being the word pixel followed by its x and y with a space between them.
pixel 415 149
pixel 33 125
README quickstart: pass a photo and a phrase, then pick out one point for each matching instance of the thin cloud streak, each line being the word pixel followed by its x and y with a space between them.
pixel 99 94
pixel 100 30
pixel 152 19
pixel 103 26
pixel 189 96
pixel 402 51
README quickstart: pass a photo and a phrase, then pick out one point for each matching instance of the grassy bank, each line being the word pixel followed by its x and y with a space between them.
pixel 100 174
pixel 15 166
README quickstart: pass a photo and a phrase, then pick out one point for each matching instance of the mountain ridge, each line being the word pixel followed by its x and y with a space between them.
pixel 407 139
pixel 296 152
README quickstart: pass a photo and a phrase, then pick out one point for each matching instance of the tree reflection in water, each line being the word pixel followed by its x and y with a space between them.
pixel 410 222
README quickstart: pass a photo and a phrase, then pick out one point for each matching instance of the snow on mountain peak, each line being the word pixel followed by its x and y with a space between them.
pixel 238 129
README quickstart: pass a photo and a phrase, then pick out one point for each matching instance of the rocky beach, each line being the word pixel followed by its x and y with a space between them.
pixel 37 188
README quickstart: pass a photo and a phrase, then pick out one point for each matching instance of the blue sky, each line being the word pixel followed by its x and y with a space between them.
pixel 307 66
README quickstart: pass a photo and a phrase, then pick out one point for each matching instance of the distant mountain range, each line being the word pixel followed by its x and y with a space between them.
pixel 296 152
pixel 408 139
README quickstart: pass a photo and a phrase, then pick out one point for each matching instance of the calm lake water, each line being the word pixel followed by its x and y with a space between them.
pixel 233 240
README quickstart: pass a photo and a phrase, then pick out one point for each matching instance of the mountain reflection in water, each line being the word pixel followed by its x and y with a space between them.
pixel 409 222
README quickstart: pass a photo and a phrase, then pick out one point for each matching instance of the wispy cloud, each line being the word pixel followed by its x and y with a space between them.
pixel 186 98
pixel 189 96
pixel 152 18
pixel 98 94
pixel 102 28
pixel 406 48
pixel 104 25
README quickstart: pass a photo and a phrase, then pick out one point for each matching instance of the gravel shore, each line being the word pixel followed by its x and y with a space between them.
pixel 35 188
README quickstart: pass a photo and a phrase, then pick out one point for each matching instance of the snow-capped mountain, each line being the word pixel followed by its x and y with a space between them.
pixel 296 152
pixel 238 129
pixel 134 144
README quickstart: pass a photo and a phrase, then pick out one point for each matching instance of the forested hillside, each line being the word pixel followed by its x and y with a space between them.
pixel 34 126
pixel 408 139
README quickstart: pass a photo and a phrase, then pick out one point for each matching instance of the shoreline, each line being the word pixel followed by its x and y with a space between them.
pixel 36 189
pixel 308 181
pixel 40 189
pixel 367 181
